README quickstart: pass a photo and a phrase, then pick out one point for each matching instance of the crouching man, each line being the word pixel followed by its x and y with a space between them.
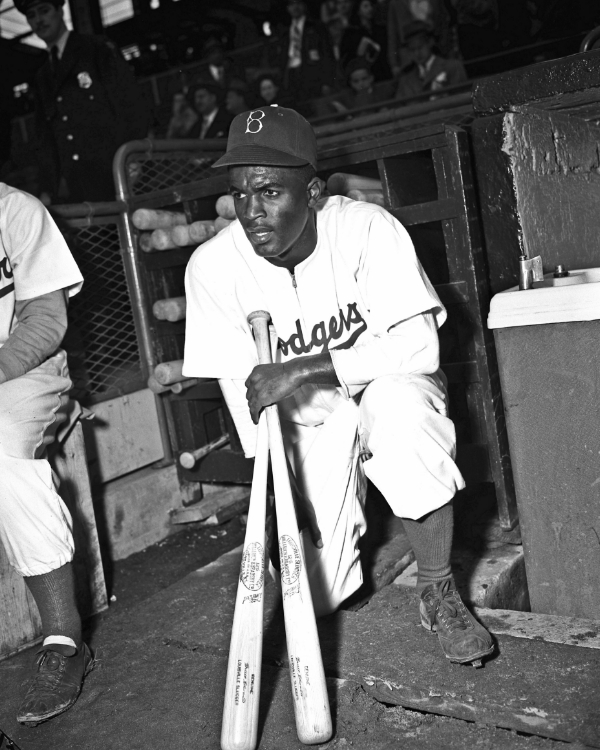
pixel 357 366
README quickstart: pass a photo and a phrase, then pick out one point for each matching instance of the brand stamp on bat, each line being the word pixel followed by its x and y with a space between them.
pixel 291 561
pixel 253 567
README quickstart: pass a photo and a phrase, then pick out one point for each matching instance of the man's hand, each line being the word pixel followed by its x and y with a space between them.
pixel 268 384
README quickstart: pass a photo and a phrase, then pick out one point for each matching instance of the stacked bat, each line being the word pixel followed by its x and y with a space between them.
pixel 168 376
pixel 167 230
pixel 356 187
pixel 242 690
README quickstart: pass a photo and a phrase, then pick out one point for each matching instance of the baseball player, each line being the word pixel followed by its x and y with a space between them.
pixel 37 275
pixel 357 365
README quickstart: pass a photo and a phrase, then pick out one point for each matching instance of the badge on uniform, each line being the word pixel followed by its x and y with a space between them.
pixel 84 79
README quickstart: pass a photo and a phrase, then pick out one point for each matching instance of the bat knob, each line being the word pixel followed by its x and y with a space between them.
pixel 259 315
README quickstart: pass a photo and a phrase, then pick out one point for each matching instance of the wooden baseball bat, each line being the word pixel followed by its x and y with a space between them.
pixel 171 309
pixel 340 183
pixel 150 218
pixel 168 373
pixel 221 223
pixel 242 687
pixel 225 207
pixel 368 196
pixel 309 689
pixel 188 459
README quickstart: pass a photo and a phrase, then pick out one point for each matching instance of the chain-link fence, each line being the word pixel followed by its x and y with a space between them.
pixel 101 342
pixel 166 164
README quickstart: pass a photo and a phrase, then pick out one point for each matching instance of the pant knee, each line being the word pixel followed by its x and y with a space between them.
pixel 396 397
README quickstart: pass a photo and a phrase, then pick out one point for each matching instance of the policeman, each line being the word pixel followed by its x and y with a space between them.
pixel 88 104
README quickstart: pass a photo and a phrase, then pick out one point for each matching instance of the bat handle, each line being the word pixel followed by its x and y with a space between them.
pixel 259 321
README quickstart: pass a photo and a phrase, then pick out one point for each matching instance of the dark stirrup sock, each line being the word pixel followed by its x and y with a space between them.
pixel 54 594
pixel 431 540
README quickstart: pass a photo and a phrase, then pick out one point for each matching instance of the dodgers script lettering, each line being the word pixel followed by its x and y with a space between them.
pixel 322 335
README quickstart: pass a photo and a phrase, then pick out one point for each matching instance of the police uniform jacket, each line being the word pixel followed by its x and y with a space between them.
pixel 88 104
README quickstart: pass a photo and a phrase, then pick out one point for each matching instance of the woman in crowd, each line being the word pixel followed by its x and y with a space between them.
pixel 373 42
pixel 268 90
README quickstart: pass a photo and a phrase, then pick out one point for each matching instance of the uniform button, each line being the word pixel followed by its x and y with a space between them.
pixel 75 157
pixel 69 137
pixel 64 118
pixel 59 98
pixel 91 96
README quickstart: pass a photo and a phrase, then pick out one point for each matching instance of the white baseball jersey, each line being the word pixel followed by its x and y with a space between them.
pixel 348 297
pixel 34 257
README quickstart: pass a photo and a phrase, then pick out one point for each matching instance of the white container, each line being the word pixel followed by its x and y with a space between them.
pixel 562 300
pixel 548 345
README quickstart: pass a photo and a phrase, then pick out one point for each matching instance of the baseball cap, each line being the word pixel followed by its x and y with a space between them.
pixel 270 136
pixel 23 6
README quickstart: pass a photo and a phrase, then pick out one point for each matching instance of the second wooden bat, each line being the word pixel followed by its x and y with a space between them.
pixel 242 688
pixel 309 689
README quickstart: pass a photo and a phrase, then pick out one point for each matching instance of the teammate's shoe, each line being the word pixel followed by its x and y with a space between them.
pixel 55 686
pixel 461 637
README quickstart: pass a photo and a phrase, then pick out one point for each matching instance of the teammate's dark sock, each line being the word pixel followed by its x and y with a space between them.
pixel 431 540
pixel 54 594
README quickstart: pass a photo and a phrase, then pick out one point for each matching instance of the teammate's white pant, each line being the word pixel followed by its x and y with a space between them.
pixel 403 422
pixel 35 525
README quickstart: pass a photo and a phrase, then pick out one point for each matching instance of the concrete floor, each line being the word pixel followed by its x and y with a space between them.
pixel 162 662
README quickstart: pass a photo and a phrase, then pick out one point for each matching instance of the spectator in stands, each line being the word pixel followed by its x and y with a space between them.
pixel 88 104
pixel 404 12
pixel 238 98
pixel 268 91
pixel 344 10
pixel 425 70
pixel 183 117
pixel 346 45
pixel 213 119
pixel 373 38
pixel 478 27
pixel 361 91
pixel 328 11
pixel 305 55
pixel 217 68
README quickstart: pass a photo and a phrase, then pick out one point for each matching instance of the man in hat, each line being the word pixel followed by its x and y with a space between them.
pixel 357 366
pixel 37 275
pixel 304 55
pixel 206 98
pixel 425 70
pixel 88 104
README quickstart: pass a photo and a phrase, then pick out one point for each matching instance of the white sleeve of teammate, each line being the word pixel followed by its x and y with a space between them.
pixel 409 348
pixel 234 392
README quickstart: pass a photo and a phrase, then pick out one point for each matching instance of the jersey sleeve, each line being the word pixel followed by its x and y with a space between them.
pixel 39 256
pixel 218 338
pixel 391 279
pixel 404 310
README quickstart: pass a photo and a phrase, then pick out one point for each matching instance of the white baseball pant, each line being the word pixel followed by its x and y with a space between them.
pixel 35 525
pixel 402 422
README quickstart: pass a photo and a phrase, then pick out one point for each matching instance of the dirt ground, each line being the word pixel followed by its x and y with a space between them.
pixel 162 653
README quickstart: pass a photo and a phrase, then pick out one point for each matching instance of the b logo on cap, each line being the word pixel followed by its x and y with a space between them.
pixel 251 119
